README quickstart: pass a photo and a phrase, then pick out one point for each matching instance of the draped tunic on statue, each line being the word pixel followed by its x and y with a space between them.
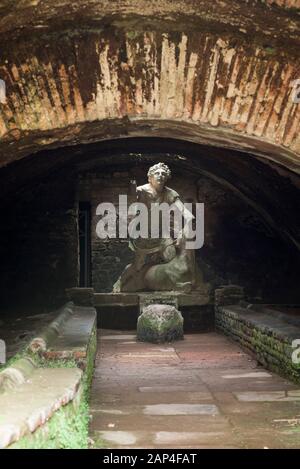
pixel 153 248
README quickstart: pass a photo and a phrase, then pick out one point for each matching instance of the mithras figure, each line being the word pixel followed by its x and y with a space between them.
pixel 161 263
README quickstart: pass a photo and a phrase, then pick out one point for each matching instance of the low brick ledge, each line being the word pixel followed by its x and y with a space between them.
pixel 267 337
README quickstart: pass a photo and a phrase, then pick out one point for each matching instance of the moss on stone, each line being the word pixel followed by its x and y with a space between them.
pixel 160 323
pixel 271 347
pixel 68 427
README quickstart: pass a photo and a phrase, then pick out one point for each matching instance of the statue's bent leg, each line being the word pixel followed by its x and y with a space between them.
pixel 174 275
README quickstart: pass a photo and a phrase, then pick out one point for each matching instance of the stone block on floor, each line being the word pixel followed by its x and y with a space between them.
pixel 160 323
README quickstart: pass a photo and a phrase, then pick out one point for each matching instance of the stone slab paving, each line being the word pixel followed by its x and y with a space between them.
pixel 201 392
pixel 180 409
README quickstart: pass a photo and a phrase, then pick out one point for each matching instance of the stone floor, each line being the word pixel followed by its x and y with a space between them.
pixel 201 392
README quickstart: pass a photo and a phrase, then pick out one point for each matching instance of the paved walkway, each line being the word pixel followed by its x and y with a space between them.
pixel 201 392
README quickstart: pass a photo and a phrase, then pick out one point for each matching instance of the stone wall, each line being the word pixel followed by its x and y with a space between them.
pixel 268 338
pixel 39 243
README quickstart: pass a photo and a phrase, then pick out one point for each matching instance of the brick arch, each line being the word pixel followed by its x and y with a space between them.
pixel 197 85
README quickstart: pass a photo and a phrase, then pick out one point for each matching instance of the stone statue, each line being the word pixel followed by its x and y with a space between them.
pixel 162 263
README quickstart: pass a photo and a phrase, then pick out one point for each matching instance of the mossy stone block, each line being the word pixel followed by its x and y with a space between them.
pixel 160 323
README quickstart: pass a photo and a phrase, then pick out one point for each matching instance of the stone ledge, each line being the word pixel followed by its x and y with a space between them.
pixel 133 299
pixel 16 374
pixel 52 330
pixel 268 324
pixel 268 337
pixel 116 299
pixel 229 294
pixel 30 395
pixel 68 336
pixel 32 403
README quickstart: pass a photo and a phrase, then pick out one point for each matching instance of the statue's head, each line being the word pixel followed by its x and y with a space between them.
pixel 158 175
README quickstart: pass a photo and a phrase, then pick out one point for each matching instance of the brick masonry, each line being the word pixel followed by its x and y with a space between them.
pixel 267 338
pixel 217 68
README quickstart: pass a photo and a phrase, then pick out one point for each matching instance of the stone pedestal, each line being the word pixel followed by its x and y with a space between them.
pixel 160 323
pixel 121 310
pixel 142 299
pixel 157 298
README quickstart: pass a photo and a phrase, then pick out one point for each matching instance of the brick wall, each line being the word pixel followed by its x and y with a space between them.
pixel 39 243
pixel 265 336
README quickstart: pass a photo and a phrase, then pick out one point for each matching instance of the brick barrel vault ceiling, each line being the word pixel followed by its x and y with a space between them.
pixel 216 73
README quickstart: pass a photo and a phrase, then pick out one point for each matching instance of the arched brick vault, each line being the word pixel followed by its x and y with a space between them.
pixel 217 74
